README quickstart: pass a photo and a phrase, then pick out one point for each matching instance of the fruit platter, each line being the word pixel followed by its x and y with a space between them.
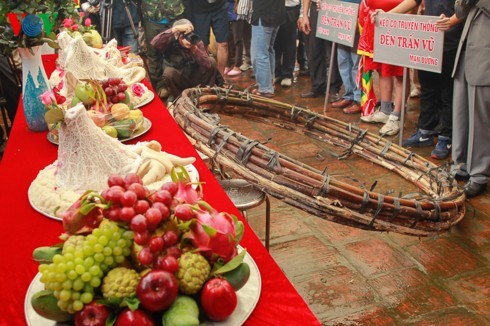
pixel 160 257
pixel 108 104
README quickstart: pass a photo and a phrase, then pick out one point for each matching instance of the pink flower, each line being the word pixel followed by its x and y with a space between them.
pixel 87 22
pixel 74 27
pixel 67 22
pixel 81 14
pixel 137 90
pixel 47 98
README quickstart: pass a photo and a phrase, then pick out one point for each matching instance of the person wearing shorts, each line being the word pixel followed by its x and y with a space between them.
pixel 207 14
pixel 390 77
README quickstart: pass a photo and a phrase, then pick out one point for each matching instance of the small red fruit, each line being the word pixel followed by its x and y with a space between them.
pixel 138 317
pixel 218 299
pixel 157 290
pixel 93 314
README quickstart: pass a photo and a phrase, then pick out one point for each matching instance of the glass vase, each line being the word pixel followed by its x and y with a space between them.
pixel 34 83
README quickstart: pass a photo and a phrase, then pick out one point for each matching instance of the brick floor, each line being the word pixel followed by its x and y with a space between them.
pixel 350 276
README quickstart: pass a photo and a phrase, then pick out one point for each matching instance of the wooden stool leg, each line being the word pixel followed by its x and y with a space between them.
pixel 267 222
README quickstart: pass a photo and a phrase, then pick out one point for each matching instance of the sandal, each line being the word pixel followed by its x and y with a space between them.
pixel 257 92
pixel 234 72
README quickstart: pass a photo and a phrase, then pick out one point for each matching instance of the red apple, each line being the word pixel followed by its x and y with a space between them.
pixel 218 299
pixel 138 317
pixel 157 290
pixel 93 314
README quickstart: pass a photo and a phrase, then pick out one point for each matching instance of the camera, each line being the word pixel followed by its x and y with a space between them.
pixel 192 38
pixel 93 3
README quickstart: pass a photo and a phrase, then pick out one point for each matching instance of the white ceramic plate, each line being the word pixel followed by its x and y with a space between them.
pixel 140 131
pixel 248 296
pixel 145 102
pixel 191 169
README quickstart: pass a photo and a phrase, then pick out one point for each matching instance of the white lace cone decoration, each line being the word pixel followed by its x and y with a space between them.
pixel 87 156
pixel 80 61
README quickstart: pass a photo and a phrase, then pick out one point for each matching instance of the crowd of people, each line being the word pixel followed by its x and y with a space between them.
pixel 205 42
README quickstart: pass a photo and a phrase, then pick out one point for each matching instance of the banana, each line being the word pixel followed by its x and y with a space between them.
pixel 177 160
pixel 44 255
pixel 46 305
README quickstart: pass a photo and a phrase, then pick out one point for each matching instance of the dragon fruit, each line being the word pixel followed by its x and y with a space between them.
pixel 185 194
pixel 84 215
pixel 216 235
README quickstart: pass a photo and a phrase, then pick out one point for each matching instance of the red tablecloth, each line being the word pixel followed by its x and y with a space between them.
pixel 23 229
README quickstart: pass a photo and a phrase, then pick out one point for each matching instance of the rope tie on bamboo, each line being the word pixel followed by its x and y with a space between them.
pixel 409 157
pixel 195 94
pixel 386 148
pixel 324 188
pixel 437 210
pixel 311 121
pixel 186 119
pixel 246 97
pixel 348 152
pixel 244 152
pixel 222 94
pixel 365 201
pixel 396 208
pixel 222 144
pixel 214 133
pixel 274 161
pixel 294 112
pixel 419 213
pixel 381 199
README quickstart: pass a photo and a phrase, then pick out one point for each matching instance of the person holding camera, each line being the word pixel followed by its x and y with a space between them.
pixel 157 16
pixel 186 60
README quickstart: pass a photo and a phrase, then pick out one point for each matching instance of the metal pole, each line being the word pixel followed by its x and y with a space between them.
pixel 329 77
pixel 106 21
pixel 402 110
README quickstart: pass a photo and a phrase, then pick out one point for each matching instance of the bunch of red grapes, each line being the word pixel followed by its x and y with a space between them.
pixel 144 211
pixel 115 90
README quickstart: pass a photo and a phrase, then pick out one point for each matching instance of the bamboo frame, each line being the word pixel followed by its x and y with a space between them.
pixel 439 208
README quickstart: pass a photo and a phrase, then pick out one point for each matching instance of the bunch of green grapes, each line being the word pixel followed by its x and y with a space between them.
pixel 74 274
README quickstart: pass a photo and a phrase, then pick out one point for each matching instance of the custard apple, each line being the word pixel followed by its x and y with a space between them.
pixel 193 272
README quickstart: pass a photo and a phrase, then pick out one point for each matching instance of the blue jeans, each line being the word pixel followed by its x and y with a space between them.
pixel 125 37
pixel 348 62
pixel 263 55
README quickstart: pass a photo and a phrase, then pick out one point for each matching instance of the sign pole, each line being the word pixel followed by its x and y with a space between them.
pixel 329 77
pixel 402 109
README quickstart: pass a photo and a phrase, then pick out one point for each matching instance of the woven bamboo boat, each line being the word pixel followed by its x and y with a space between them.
pixel 439 205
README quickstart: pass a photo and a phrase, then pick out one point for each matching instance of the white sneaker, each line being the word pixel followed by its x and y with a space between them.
pixel 375 117
pixel 391 127
pixel 286 82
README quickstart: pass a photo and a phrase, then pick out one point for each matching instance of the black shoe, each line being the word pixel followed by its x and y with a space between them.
pixel 304 70
pixel 473 189
pixel 461 177
pixel 311 94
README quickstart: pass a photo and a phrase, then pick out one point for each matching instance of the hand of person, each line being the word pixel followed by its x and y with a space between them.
pixel 184 29
pixel 94 10
pixel 443 23
pixel 305 25
pixel 374 14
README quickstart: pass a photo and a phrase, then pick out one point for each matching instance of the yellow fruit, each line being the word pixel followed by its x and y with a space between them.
pixel 120 111
pixel 136 115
